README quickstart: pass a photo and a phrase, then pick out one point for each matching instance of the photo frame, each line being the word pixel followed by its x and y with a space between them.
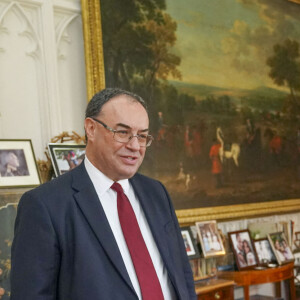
pixel 190 243
pixel 18 167
pixel 210 239
pixel 264 251
pixel 280 247
pixel 243 249
pixel 65 157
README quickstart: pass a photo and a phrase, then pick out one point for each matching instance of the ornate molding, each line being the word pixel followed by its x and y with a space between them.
pixel 62 33
pixel 27 30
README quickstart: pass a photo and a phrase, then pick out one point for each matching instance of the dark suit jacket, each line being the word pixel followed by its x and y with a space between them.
pixel 64 248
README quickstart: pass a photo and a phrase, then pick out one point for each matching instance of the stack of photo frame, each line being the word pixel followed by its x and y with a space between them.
pixel 202 247
pixel 19 168
pixel 260 253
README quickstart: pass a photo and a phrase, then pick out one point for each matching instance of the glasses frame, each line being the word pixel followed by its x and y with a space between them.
pixel 114 131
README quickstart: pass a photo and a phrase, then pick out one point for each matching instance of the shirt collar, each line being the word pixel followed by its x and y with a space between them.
pixel 101 182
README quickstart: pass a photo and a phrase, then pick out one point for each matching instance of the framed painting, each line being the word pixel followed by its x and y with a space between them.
pixel 18 166
pixel 189 242
pixel 222 111
pixel 281 248
pixel 65 157
pixel 210 240
pixel 243 249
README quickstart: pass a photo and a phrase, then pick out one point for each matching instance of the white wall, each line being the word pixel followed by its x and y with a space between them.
pixel 42 72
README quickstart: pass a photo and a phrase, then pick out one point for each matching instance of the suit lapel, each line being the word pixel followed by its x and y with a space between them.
pixel 156 224
pixel 88 201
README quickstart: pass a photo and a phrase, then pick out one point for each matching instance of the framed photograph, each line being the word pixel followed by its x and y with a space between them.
pixel 65 157
pixel 190 243
pixel 280 247
pixel 18 166
pixel 210 240
pixel 243 249
pixel 264 251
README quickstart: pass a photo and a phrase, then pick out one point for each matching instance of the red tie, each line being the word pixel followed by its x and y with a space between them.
pixel 148 280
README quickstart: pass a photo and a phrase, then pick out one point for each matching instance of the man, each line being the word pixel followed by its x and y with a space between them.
pixel 71 237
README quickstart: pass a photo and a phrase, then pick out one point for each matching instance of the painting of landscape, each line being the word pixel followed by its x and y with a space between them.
pixel 221 80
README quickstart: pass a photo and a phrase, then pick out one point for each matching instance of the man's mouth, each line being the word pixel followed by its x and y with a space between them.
pixel 129 159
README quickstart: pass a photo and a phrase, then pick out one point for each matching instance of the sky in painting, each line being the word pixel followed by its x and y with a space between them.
pixel 225 43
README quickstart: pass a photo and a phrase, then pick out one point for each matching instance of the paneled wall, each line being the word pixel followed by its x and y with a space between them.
pixel 42 73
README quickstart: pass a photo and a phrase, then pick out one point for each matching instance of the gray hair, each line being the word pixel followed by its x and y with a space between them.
pixel 95 105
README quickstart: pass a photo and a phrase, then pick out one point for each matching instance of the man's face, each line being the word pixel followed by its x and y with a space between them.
pixel 117 160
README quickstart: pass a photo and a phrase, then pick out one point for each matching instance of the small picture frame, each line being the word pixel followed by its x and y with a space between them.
pixel 243 249
pixel 210 239
pixel 189 243
pixel 18 167
pixel 281 248
pixel 65 157
pixel 297 240
pixel 264 252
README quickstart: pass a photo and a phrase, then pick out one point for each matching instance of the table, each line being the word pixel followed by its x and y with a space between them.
pixel 212 289
pixel 268 275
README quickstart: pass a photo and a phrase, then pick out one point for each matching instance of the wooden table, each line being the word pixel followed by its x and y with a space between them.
pixel 269 275
pixel 213 289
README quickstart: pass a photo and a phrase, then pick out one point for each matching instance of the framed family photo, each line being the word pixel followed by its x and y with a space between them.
pixel 243 249
pixel 264 251
pixel 18 166
pixel 210 239
pixel 281 248
pixel 189 243
pixel 65 157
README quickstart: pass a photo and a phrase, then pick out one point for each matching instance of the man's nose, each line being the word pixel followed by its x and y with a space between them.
pixel 133 143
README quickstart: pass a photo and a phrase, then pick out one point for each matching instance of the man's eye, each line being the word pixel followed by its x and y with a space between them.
pixel 142 136
pixel 122 132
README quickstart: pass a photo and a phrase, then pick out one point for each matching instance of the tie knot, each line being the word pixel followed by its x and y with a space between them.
pixel 117 187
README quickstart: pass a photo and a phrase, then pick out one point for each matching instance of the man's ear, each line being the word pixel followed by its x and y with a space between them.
pixel 90 127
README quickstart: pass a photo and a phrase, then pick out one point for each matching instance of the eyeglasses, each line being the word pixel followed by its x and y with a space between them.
pixel 124 136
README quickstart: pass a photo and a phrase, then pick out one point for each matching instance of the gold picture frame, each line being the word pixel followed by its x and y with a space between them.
pixel 210 239
pixel 96 81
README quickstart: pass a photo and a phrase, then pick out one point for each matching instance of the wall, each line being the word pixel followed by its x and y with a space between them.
pixel 42 74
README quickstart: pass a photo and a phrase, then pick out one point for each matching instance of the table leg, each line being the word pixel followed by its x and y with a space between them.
pixel 246 292
pixel 278 289
pixel 292 289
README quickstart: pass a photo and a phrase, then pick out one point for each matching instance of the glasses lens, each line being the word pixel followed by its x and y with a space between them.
pixel 122 136
pixel 125 136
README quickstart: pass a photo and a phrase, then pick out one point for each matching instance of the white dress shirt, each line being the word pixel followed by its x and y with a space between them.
pixel 108 199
